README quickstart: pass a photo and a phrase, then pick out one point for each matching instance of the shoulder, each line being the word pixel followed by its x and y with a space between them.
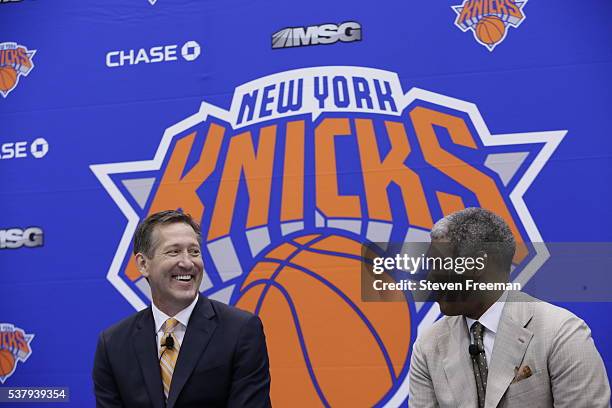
pixel 236 323
pixel 124 327
pixel 233 316
pixel 427 341
pixel 545 319
pixel 230 312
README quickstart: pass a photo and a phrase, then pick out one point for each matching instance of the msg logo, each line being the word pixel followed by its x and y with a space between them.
pixel 315 35
pixel 14 238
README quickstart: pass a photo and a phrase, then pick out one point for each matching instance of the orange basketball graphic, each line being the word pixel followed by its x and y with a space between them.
pixel 490 30
pixel 326 346
pixel 7 362
pixel 8 77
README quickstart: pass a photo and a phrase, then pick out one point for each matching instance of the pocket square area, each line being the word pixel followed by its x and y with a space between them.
pixel 521 373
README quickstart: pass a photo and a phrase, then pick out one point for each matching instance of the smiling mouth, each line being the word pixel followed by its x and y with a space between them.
pixel 183 278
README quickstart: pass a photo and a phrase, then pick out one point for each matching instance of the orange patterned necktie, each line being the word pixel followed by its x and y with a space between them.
pixel 168 357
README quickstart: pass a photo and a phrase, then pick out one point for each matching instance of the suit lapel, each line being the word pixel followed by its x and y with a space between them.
pixel 511 341
pixel 199 332
pixel 145 346
pixel 457 363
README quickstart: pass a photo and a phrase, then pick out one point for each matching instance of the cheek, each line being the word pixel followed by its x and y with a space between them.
pixel 155 276
pixel 161 271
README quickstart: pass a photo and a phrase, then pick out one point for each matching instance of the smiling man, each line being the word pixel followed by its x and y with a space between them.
pixel 185 350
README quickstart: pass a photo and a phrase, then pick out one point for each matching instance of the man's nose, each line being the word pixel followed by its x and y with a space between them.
pixel 185 260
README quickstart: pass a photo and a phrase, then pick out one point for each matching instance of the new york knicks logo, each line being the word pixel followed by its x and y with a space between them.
pixel 288 182
pixel 15 61
pixel 14 347
pixel 489 20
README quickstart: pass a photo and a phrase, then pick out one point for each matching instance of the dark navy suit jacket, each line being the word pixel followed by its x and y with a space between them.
pixel 223 362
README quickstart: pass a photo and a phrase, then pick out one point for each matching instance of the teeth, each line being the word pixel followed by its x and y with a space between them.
pixel 183 277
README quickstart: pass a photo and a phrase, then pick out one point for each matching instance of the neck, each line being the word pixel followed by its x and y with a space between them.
pixel 170 309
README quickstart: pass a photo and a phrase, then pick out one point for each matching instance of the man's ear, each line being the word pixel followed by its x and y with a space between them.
pixel 142 264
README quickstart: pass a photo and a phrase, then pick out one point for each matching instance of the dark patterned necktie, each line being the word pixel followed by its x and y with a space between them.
pixel 479 362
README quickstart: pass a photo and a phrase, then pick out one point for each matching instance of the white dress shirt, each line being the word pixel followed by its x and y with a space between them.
pixel 490 320
pixel 179 331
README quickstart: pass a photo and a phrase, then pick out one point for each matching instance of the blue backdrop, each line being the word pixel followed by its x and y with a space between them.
pixel 99 98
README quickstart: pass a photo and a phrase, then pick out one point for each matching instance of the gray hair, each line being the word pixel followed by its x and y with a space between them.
pixel 476 229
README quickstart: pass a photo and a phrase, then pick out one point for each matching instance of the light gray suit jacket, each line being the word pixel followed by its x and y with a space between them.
pixel 555 344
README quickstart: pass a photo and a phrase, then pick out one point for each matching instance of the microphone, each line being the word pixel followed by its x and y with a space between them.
pixel 169 344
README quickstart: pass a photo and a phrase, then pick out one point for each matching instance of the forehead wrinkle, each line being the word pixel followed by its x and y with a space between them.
pixel 155 240
pixel 184 241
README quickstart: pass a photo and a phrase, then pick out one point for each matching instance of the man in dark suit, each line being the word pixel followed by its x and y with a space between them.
pixel 185 350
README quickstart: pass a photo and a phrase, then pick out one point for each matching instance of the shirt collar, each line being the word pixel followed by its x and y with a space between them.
pixel 491 317
pixel 182 316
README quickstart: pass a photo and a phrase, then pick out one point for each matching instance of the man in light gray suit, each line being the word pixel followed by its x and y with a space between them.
pixel 500 348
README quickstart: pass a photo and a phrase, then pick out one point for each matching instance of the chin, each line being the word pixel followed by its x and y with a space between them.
pixel 450 308
pixel 185 295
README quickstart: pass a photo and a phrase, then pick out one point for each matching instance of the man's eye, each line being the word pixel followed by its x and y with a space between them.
pixel 195 252
pixel 173 252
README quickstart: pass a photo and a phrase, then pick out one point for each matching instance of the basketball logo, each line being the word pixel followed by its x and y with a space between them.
pixel 7 362
pixel 8 77
pixel 326 346
pixel 287 198
pixel 14 347
pixel 15 61
pixel 490 30
pixel 489 20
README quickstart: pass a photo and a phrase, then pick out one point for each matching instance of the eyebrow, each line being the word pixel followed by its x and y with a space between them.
pixel 172 246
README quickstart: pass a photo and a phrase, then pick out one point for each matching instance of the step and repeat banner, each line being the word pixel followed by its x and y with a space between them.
pixel 293 133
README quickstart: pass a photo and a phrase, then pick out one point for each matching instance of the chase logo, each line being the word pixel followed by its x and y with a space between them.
pixel 19 150
pixel 15 62
pixel 315 35
pixel 14 347
pixel 189 51
pixel 489 20
pixel 288 181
